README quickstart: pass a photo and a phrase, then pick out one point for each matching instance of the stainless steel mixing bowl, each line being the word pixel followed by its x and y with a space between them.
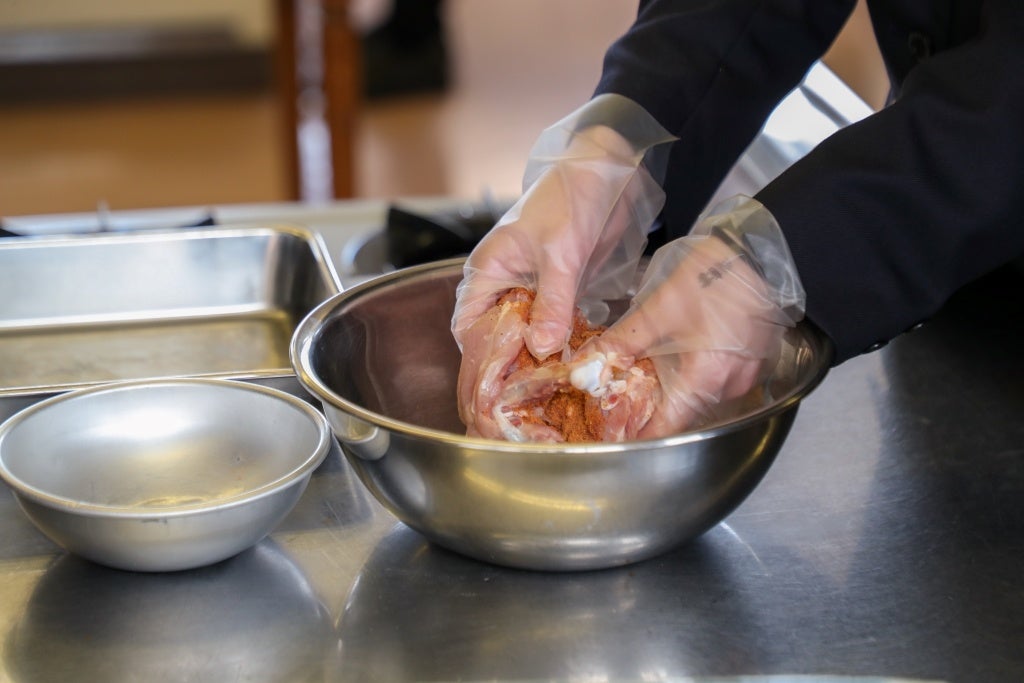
pixel 163 474
pixel 382 360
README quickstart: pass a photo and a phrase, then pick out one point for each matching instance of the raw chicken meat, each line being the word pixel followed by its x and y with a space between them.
pixel 517 397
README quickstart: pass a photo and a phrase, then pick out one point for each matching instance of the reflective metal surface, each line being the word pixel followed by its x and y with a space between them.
pixel 162 475
pixel 82 310
pixel 382 360
pixel 887 539
pixel 252 618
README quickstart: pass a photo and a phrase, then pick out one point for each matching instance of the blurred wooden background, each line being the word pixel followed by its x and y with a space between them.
pixel 516 66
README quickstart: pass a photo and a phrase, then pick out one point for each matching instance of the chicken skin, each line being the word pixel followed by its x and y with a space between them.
pixel 506 393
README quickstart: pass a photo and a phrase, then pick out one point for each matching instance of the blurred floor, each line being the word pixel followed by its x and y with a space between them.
pixel 518 65
pixel 516 68
pixel 139 153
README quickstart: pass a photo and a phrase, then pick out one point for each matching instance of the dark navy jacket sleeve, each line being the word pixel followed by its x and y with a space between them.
pixel 711 71
pixel 890 216
pixel 887 217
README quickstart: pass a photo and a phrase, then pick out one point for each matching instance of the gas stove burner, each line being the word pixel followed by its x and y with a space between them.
pixel 410 238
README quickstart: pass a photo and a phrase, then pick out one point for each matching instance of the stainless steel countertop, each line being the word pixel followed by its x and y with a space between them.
pixel 887 539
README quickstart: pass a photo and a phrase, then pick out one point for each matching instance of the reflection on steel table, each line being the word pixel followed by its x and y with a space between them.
pixel 887 540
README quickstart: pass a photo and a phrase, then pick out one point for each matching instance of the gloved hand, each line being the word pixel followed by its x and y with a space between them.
pixel 576 235
pixel 711 313
pixel 579 229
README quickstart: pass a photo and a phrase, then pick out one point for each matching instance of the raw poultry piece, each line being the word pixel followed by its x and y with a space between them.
pixel 517 397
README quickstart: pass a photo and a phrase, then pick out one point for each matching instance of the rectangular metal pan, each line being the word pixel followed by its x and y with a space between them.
pixel 213 302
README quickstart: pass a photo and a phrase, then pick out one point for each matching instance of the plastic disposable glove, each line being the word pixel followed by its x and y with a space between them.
pixel 711 312
pixel 575 237
pixel 579 229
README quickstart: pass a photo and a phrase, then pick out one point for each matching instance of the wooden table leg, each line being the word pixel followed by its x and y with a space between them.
pixel 342 86
pixel 334 45
pixel 287 84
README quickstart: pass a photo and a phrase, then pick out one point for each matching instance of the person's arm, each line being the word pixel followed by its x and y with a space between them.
pixel 711 72
pixel 889 216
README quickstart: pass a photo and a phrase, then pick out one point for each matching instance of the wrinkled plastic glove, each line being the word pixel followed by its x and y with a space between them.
pixel 711 313
pixel 575 237
pixel 579 229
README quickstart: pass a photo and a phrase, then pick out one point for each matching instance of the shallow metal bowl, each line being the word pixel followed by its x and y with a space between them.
pixel 382 360
pixel 164 474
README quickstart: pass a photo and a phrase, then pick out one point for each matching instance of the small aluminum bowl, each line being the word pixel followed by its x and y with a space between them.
pixel 162 475
pixel 382 360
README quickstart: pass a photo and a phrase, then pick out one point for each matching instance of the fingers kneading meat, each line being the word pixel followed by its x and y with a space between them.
pixel 506 393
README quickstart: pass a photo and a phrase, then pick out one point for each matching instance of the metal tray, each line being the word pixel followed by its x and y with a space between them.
pixel 214 302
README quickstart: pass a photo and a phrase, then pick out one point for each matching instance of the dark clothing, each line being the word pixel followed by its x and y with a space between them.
pixel 890 215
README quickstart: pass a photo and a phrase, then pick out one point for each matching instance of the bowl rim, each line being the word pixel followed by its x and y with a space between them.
pixel 22 488
pixel 306 331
